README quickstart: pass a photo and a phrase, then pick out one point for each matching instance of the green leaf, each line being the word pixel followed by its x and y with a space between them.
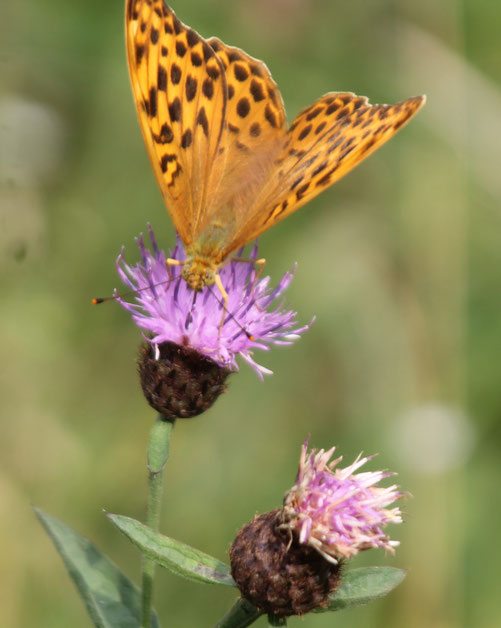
pixel 361 586
pixel 181 559
pixel 112 600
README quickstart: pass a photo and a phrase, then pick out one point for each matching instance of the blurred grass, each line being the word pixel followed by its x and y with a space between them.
pixel 399 261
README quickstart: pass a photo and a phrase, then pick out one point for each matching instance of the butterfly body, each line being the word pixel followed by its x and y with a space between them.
pixel 215 128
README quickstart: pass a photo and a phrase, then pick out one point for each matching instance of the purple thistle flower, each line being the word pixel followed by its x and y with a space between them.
pixel 289 561
pixel 337 511
pixel 172 313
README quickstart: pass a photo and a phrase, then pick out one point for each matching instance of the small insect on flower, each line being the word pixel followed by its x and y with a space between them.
pixel 288 561
pixel 215 128
pixel 188 354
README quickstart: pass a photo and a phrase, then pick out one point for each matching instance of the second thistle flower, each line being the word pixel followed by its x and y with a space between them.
pixel 288 561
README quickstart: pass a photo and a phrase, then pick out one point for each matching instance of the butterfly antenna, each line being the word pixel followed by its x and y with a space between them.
pixel 230 315
pixel 99 300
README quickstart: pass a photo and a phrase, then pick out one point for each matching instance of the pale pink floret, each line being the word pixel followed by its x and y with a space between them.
pixel 337 511
pixel 164 307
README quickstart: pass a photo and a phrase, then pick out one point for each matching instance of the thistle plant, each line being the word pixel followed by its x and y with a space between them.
pixel 290 561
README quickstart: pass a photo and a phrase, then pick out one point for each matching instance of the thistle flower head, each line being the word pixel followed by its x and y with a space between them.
pixel 170 311
pixel 337 511
pixel 289 561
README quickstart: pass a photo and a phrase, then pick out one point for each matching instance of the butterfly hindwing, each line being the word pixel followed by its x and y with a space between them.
pixel 325 141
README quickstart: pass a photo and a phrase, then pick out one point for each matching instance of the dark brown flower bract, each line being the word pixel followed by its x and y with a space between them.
pixel 277 575
pixel 181 382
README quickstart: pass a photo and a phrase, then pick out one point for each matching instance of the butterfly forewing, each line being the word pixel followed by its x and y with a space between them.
pixel 180 92
pixel 325 141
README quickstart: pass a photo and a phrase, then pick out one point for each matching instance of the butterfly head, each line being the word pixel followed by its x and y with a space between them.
pixel 199 272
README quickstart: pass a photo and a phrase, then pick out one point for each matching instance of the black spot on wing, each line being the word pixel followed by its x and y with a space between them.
pixel 243 107
pixel 325 180
pixel 192 38
pixel 208 88
pixel 191 88
pixel 202 121
pixel 196 59
pixel 314 113
pixel 180 48
pixel 320 127
pixel 256 71
pixel 213 72
pixel 208 53
pixel 139 53
pixel 302 191
pixel 270 116
pixel 175 110
pixel 332 108
pixel 175 74
pixel 178 27
pixel 153 102
pixel 162 78
pixel 255 129
pixel 305 132
pixel 319 168
pixel 165 160
pixel 240 71
pixel 186 139
pixel 165 136
pixel 256 89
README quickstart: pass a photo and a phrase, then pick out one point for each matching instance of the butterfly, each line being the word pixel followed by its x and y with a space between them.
pixel 214 124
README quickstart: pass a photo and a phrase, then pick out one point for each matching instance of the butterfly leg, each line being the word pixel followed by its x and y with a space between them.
pixel 224 294
pixel 257 262
pixel 172 262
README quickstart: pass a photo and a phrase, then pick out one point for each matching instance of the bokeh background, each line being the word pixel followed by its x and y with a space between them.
pixel 400 262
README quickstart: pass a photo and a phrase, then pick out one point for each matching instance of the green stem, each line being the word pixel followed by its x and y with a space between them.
pixel 240 615
pixel 158 453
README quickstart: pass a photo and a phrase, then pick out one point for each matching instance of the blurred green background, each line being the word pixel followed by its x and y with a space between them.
pixel 400 261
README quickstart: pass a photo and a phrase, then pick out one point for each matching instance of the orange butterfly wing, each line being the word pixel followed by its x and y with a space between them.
pixel 180 92
pixel 212 120
pixel 325 141
pixel 215 129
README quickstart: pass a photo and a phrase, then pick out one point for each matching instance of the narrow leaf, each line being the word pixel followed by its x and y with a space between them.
pixel 361 586
pixel 112 600
pixel 178 557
